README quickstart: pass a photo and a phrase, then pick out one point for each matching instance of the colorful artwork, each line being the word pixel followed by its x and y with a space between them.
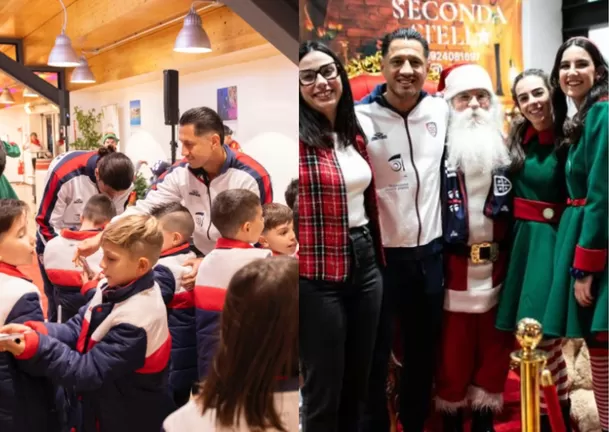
pixel 135 113
pixel 227 103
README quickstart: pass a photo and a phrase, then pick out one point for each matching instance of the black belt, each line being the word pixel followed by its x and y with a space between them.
pixel 479 253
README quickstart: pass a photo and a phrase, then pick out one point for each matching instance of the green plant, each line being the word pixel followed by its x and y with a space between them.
pixel 88 126
pixel 140 186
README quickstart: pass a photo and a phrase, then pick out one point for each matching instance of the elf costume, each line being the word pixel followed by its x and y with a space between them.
pixel 6 190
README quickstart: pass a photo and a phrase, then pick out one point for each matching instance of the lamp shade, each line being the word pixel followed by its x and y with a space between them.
pixel 62 54
pixel 82 74
pixel 29 93
pixel 6 97
pixel 192 38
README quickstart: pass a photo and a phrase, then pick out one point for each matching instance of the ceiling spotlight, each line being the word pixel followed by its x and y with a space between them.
pixel 82 74
pixel 192 38
pixel 27 92
pixel 62 54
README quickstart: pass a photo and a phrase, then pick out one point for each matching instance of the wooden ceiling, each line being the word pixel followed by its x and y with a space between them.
pixel 94 26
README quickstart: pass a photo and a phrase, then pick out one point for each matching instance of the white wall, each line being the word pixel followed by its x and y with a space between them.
pixel 267 125
pixel 600 36
pixel 541 33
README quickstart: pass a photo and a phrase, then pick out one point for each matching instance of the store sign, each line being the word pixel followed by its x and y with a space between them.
pixel 487 32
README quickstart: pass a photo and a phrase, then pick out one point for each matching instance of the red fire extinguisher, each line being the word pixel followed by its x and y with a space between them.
pixel 21 168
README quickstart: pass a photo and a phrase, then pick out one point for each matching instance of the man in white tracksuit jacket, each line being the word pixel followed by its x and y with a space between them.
pixel 406 130
pixel 208 167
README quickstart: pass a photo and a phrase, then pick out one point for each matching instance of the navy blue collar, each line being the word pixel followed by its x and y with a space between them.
pixel 229 162
pixel 90 167
pixel 377 95
pixel 122 293
pixel 178 250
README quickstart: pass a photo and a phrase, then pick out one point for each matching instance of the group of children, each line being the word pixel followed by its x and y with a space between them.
pixel 131 343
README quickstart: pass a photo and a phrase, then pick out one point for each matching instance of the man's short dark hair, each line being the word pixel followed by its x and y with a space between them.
pixel 291 193
pixel 99 210
pixel 276 214
pixel 404 33
pixel 174 217
pixel 232 208
pixel 10 210
pixel 227 131
pixel 204 120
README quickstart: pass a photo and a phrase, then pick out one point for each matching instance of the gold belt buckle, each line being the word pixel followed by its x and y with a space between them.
pixel 475 252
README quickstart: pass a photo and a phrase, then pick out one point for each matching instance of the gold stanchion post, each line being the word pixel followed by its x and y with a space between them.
pixel 531 362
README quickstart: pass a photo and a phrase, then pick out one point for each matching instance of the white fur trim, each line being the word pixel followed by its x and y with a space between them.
pixel 467 77
pixel 481 399
pixel 478 301
pixel 449 407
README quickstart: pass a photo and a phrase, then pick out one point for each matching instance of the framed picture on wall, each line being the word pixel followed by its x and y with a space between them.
pixel 135 113
pixel 227 103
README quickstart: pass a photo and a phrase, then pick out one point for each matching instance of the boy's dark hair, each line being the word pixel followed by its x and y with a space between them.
pixel 227 131
pixel 174 217
pixel 276 214
pixel 99 209
pixel 10 209
pixel 232 208
pixel 291 192
pixel 115 169
pixel 296 220
pixel 404 33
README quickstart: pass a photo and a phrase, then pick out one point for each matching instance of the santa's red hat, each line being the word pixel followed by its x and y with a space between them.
pixel 463 77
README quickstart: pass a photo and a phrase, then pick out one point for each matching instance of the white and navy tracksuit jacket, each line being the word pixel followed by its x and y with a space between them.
pixel 194 189
pixel 114 354
pixel 27 402
pixel 69 184
pixel 213 277
pixel 181 319
pixel 406 155
pixel 64 274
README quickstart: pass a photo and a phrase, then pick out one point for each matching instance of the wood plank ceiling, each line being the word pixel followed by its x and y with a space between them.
pixel 95 25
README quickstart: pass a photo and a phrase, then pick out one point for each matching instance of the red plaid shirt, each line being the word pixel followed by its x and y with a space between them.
pixel 323 216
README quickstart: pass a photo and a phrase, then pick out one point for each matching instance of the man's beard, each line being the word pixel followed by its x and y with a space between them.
pixel 475 142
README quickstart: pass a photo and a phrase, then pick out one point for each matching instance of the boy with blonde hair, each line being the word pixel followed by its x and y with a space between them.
pixel 177 226
pixel 237 214
pixel 278 234
pixel 115 352
pixel 63 273
pixel 26 402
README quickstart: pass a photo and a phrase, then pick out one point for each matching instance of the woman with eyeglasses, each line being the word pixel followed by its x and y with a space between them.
pixel 340 248
pixel 579 297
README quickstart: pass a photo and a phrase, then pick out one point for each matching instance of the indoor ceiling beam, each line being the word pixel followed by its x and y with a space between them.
pixel 18 44
pixel 28 78
pixel 276 20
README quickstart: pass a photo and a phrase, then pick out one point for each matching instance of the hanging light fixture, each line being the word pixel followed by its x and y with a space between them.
pixel 6 97
pixel 62 54
pixel 82 74
pixel 192 39
pixel 27 92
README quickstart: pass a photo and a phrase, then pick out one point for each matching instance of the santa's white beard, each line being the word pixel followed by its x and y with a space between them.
pixel 475 143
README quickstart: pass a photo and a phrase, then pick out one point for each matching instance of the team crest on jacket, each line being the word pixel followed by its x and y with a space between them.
pixel 502 185
pixel 432 128
pixel 199 218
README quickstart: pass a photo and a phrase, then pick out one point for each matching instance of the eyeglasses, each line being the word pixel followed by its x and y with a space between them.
pixel 308 77
pixel 466 98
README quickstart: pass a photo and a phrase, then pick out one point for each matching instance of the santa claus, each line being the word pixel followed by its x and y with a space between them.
pixel 476 197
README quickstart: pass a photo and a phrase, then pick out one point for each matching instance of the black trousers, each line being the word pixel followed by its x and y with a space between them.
pixel 338 325
pixel 413 296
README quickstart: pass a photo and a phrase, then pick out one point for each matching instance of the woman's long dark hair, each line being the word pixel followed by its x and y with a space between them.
pixel 314 127
pixel 568 132
pixel 115 169
pixel 520 124
pixel 258 345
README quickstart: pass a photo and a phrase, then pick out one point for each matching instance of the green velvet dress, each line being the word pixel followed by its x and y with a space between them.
pixel 529 273
pixel 6 190
pixel 582 235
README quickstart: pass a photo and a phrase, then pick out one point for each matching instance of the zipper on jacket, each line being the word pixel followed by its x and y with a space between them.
pixel 416 174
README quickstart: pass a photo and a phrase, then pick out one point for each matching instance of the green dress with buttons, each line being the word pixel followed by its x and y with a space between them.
pixel 6 190
pixel 530 267
pixel 582 234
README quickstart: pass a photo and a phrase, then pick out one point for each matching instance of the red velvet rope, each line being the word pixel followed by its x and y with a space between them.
pixel 553 408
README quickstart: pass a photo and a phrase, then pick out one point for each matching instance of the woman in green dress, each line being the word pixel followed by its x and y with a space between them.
pixel 539 195
pixel 10 150
pixel 577 305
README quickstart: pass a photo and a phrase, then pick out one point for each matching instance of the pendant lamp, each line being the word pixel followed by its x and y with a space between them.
pixel 29 93
pixel 82 74
pixel 192 39
pixel 6 97
pixel 62 54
